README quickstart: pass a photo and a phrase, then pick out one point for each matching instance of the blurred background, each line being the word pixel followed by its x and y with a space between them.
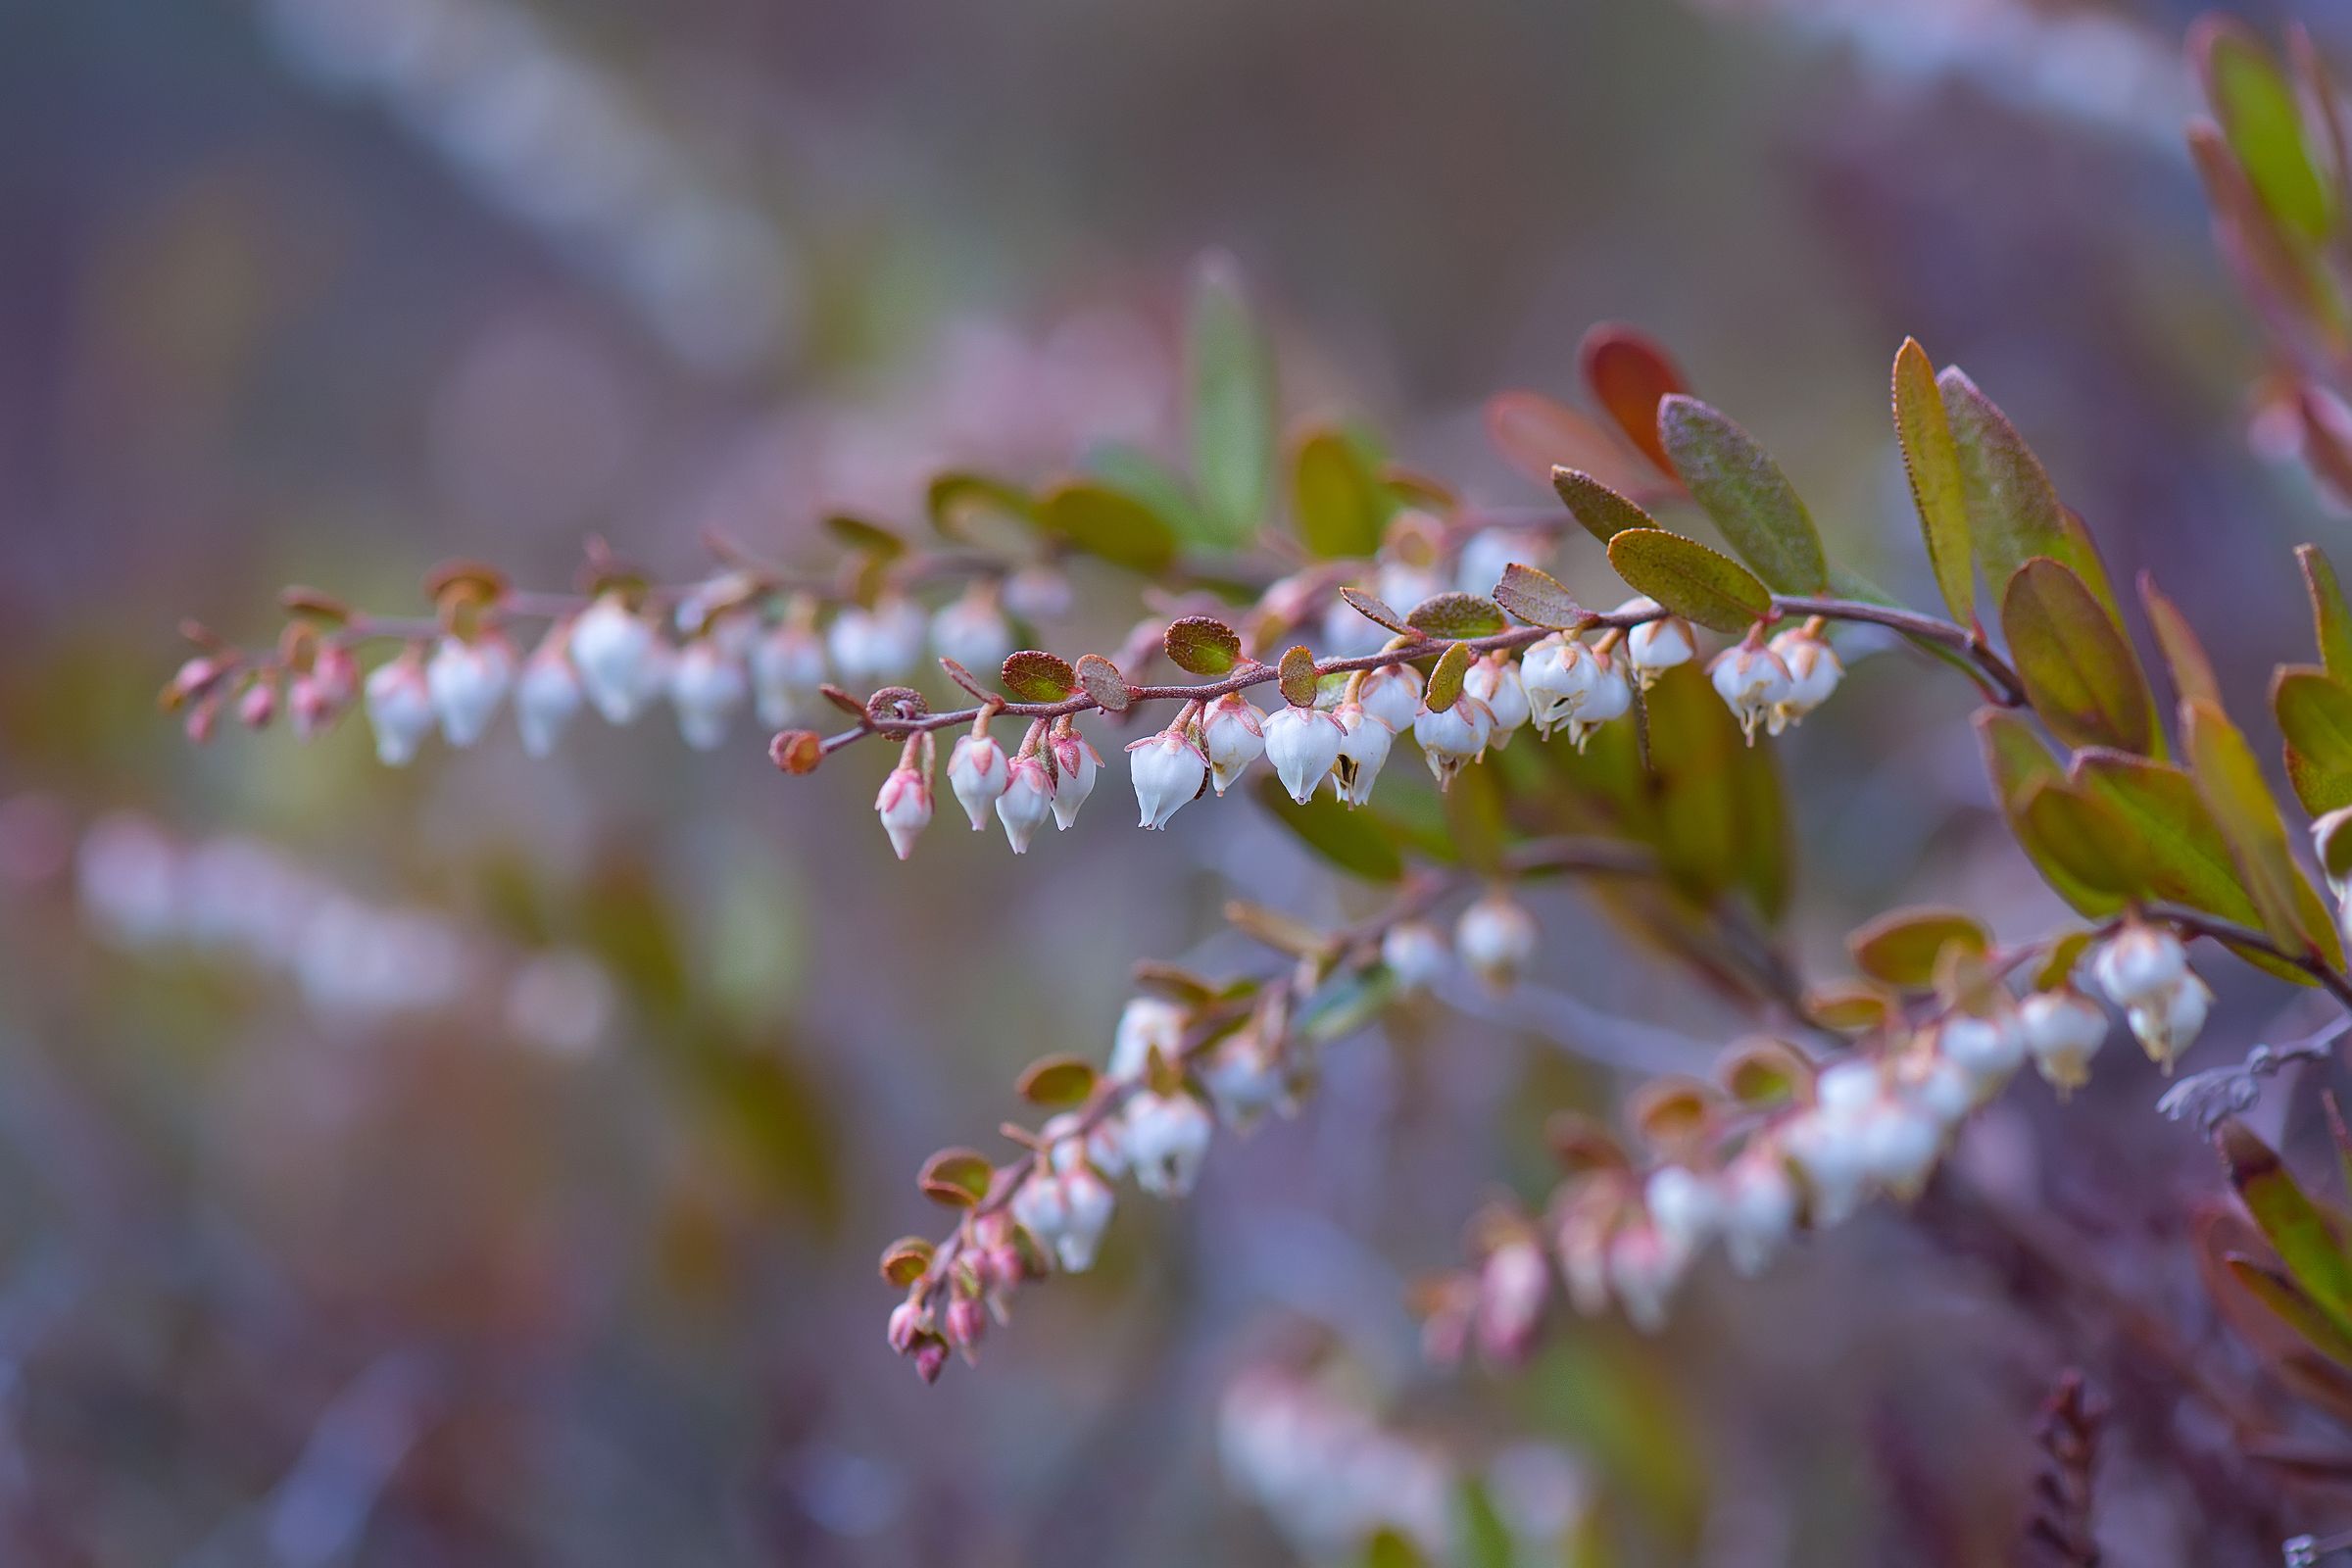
pixel 484 1163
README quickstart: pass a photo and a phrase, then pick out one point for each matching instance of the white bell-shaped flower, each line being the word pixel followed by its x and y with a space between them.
pixel 400 709
pixel 1987 1049
pixel 1075 764
pixel 1611 696
pixel 1415 954
pixel 1752 682
pixel 1303 744
pixel 1364 743
pixel 1494 680
pixel 1027 800
pixel 2138 964
pixel 1167 1139
pixel 1656 645
pixel 468 680
pixel 788 665
pixel 904 807
pixel 1496 938
pixel 1168 772
pixel 1391 694
pixel 707 685
pixel 1645 1267
pixel 1490 552
pixel 547 693
pixel 1087 1205
pixel 1147 1024
pixel 2168 1023
pixel 614 649
pixel 978 771
pixel 1814 671
pixel 972 631
pixel 1233 732
pixel 2063 1029
pixel 1759 1202
pixel 1556 674
pixel 1686 1207
pixel 1452 739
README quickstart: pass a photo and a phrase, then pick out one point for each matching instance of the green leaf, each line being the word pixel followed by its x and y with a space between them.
pixel 1932 459
pixel 2293 1306
pixel 1160 488
pixel 955 1177
pixel 1057 1081
pixel 1199 645
pixel 2079 673
pixel 1102 522
pixel 1720 821
pixel 2231 781
pixel 870 538
pixel 1535 597
pixel 1375 610
pixel 1350 840
pixel 1745 491
pixel 2016 760
pixel 954 498
pixel 2013 509
pixel 2315 714
pixel 905 1260
pixel 1689 579
pixel 1630 375
pixel 2263 123
pixel 2183 654
pixel 2288 1219
pixel 1445 686
pixel 1482 1539
pixel 1901 946
pixel 2084 836
pixel 1336 501
pixel 1033 676
pixel 1389 1548
pixel 1603 513
pixel 2331 618
pixel 1297 678
pixel 1230 378
pixel 1457 615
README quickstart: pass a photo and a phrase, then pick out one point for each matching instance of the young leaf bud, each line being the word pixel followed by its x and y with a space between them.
pixel 1027 800
pixel 2062 1030
pixel 1167 772
pixel 614 652
pixel 707 685
pixel 1753 682
pixel 978 773
pixel 467 681
pixel 1496 938
pixel 1303 744
pixel 1233 731
pixel 904 807
pixel 400 709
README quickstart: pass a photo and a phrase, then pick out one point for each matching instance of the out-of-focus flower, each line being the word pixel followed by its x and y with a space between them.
pixel 972 630
pixel 615 651
pixel 400 709
pixel 707 685
pixel 467 681
pixel 547 693
pixel 1496 938
pixel 1167 1139
pixel 2063 1029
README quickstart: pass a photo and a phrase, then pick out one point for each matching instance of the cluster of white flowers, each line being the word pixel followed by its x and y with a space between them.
pixel 1876 1125
pixel 612 656
pixel 353 960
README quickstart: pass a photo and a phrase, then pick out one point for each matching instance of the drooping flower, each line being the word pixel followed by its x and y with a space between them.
pixel 1415 954
pixel 1611 696
pixel 1167 1139
pixel 707 685
pixel 2063 1029
pixel 2138 964
pixel 1303 744
pixel 972 630
pixel 1233 733
pixel 1556 674
pixel 978 772
pixel 1391 694
pixel 1657 645
pixel 788 665
pixel 1494 680
pixel 2169 1022
pixel 1363 751
pixel 1753 683
pixel 1027 800
pixel 1814 671
pixel 547 693
pixel 614 650
pixel 1075 764
pixel 1496 938
pixel 1168 772
pixel 904 807
pixel 467 681
pixel 1452 739
pixel 400 709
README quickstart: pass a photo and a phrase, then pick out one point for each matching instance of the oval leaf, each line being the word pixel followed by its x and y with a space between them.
pixel 1535 597
pixel 1689 579
pixel 1603 513
pixel 2076 831
pixel 2255 104
pixel 956 1177
pixel 1199 645
pixel 1376 611
pixel 1931 460
pixel 2013 509
pixel 2315 714
pixel 1456 616
pixel 905 1260
pixel 1901 946
pixel 1057 1081
pixel 2184 654
pixel 1100 679
pixel 2331 618
pixel 855 533
pixel 1629 375
pixel 954 498
pixel 1033 676
pixel 1445 686
pixel 2079 671
pixel 2017 761
pixel 1745 491
pixel 1297 678
pixel 2230 782
pixel 1350 840
pixel 1336 503
pixel 1106 523
pixel 1229 375
pixel 1537 435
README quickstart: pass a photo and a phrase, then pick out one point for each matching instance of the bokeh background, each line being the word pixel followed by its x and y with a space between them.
pixel 484 1163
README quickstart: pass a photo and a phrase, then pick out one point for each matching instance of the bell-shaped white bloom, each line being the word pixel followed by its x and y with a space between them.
pixel 614 649
pixel 1513 1283
pixel 972 631
pixel 1658 645
pixel 2063 1029
pixel 2138 964
pixel 467 681
pixel 1167 1139
pixel 1364 743
pixel 978 772
pixel 1104 1147
pixel 400 709
pixel 1496 938
pixel 2168 1023
pixel 1452 739
pixel 1075 764
pixel 1827 1152
pixel 1415 954
pixel 1042 1207
pixel 1987 1049
pixel 788 665
pixel 546 695
pixel 1303 744
pixel 1686 1207
pixel 1391 694
pixel 1087 1204
pixel 904 807
pixel 1814 671
pixel 1168 772
pixel 1244 1076
pixel 1402 587
pixel 875 647
pixel 1147 1024
pixel 1898 1144
pixel 1027 800
pixel 1556 674
pixel 1611 697
pixel 1494 680
pixel 1758 1207
pixel 1941 1087
pixel 1849 1086
pixel 1753 682
pixel 1233 732
pixel 1645 1267
pixel 707 685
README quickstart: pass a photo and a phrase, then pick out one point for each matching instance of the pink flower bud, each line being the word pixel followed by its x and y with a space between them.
pixel 908 1322
pixel 904 805
pixel 1027 800
pixel 1512 1287
pixel 931 1359
pixel 978 772
pixel 1075 764
pixel 317 697
pixel 259 705
pixel 967 1325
